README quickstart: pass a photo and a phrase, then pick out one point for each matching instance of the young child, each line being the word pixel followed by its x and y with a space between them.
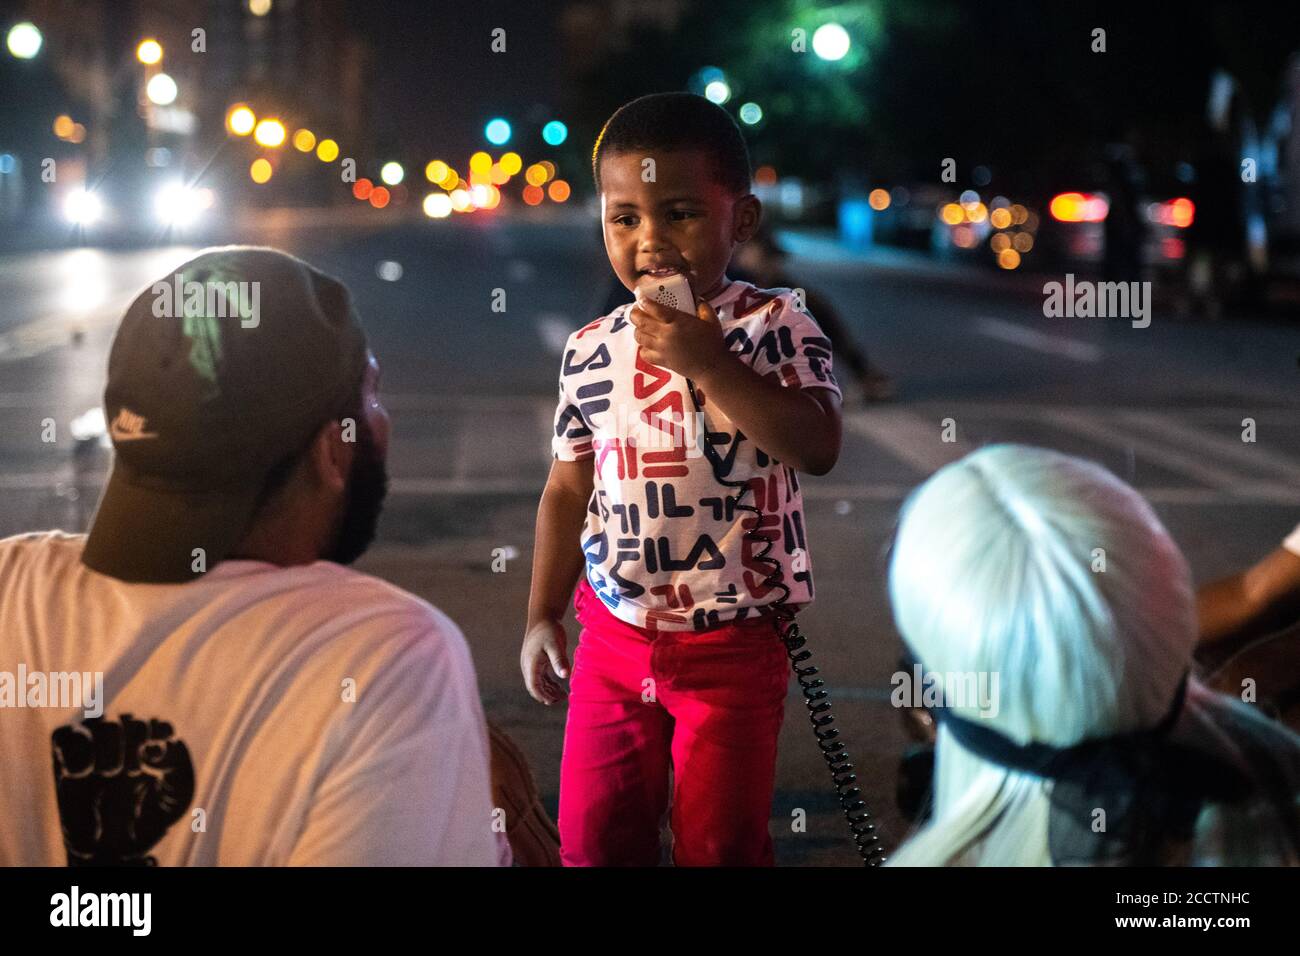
pixel 679 664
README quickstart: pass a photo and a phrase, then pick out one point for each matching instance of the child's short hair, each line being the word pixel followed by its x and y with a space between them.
pixel 673 121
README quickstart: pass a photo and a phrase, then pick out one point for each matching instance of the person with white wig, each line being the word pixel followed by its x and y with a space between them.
pixel 1056 581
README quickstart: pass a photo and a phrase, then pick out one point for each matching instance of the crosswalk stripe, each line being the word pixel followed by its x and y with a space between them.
pixel 1029 338
pixel 1105 433
pixel 1249 455
pixel 910 437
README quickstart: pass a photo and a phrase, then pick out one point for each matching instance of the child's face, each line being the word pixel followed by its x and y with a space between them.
pixel 683 221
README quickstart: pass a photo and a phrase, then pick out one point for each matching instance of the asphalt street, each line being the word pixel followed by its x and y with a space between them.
pixel 471 392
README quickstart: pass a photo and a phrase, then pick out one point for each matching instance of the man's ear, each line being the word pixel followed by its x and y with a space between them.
pixel 748 213
pixel 331 457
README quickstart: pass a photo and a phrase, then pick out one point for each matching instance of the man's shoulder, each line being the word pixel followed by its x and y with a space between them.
pixel 379 602
pixel 50 547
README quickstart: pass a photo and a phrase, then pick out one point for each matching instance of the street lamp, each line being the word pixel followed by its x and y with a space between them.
pixel 717 91
pixel 24 40
pixel 149 52
pixel 269 133
pixel 497 131
pixel 831 41
pixel 555 133
pixel 240 120
pixel 161 90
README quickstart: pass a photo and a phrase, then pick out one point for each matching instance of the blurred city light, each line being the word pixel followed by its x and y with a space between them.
pixel 878 199
pixel 362 189
pixel 765 176
pixel 24 40
pixel 240 120
pixel 149 52
pixel 1078 207
pixel 259 8
pixel 82 208
pixel 460 200
pixel 161 89
pixel 379 197
pixel 717 91
pixel 831 41
pixel 1174 212
pixel 269 133
pixel 511 163
pixel 63 126
pixel 1000 218
pixel 558 190
pixel 480 163
pixel 392 173
pixel 178 205
pixel 327 151
pixel 952 214
pixel 497 176
pixel 751 113
pixel 533 195
pixel 535 174
pixel 436 171
pixel 1008 259
pixel 555 133
pixel 304 141
pixel 7 164
pixel 437 205
pixel 260 171
pixel 497 131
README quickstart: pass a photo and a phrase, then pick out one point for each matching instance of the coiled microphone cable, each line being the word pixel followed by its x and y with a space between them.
pixel 816 697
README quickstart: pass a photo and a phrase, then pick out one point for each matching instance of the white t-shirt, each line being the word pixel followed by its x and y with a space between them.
pixel 662 550
pixel 1292 541
pixel 257 716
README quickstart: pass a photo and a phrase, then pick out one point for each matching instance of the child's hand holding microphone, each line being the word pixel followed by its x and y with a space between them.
pixel 687 344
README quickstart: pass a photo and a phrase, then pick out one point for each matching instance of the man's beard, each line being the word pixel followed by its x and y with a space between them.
pixel 367 487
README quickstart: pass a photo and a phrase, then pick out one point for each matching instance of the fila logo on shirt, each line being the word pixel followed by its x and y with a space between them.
pixel 128 426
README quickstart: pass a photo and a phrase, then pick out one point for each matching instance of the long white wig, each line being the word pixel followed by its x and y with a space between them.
pixel 1053 574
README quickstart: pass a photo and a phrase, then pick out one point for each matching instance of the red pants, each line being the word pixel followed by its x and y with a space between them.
pixel 708 704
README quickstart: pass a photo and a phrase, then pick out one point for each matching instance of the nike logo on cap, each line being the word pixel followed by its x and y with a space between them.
pixel 128 426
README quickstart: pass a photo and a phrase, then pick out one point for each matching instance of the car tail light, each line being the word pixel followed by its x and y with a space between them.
pixel 1079 207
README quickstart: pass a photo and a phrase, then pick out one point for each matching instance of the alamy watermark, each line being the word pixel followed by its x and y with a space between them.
pixel 1085 299
pixel 977 690
pixel 56 689
pixel 180 298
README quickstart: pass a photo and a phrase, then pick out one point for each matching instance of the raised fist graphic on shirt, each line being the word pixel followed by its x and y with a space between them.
pixel 119 787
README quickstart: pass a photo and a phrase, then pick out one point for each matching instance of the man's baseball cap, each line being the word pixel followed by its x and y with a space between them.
pixel 219 371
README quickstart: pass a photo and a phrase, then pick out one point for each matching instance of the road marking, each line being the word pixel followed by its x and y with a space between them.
pixel 1039 341
pixel 1105 433
pixel 1249 455
pixel 910 437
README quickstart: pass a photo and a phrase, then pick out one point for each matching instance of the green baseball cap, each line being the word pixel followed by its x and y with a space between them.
pixel 218 372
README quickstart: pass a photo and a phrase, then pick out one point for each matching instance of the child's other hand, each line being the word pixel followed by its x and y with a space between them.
pixel 687 344
pixel 543 661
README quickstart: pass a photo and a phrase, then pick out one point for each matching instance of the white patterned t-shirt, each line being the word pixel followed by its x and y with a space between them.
pixel 664 548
